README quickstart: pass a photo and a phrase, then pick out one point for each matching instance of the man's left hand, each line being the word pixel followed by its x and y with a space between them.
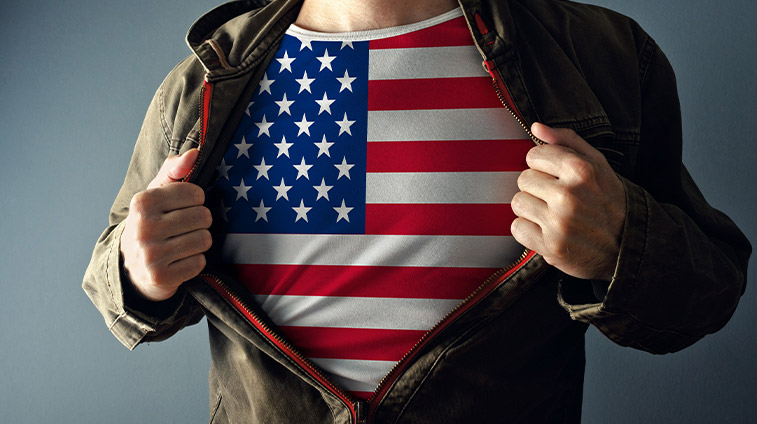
pixel 571 206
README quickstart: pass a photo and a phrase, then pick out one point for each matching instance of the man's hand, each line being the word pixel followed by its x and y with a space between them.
pixel 571 205
pixel 166 231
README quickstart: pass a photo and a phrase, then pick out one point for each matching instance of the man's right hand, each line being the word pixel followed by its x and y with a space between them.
pixel 166 231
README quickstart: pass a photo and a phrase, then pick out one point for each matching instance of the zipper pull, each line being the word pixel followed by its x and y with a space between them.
pixel 360 411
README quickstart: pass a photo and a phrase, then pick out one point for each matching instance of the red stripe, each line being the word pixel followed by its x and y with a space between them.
pixel 448 156
pixel 439 219
pixel 352 343
pixel 362 281
pixel 451 33
pixel 432 93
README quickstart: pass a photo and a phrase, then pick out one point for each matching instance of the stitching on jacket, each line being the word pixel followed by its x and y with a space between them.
pixel 331 408
pixel 107 270
pixel 215 409
pixel 619 339
pixel 247 64
pixel 163 123
pixel 646 58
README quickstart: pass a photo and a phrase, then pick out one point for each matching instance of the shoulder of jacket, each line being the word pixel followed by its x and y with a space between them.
pixel 586 27
pixel 177 101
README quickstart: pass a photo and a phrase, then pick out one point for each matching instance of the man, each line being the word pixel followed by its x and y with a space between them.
pixel 367 304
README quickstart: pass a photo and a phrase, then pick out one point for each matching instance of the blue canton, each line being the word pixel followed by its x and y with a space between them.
pixel 297 162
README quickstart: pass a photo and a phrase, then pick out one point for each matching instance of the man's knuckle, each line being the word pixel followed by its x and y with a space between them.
pixel 581 170
pixel 205 217
pixel 196 193
pixel 206 240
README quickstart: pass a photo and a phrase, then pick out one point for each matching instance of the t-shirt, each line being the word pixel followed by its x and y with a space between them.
pixel 366 191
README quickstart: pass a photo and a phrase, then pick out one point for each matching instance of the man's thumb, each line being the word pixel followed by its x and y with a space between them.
pixel 175 168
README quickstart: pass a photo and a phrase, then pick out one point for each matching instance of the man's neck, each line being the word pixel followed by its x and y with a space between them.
pixel 360 15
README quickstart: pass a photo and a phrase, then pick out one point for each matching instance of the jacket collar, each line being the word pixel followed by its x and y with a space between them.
pixel 235 36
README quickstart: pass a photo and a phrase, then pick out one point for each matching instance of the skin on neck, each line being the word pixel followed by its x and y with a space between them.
pixel 360 15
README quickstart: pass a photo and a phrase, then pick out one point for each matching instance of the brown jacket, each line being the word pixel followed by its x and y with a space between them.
pixel 514 351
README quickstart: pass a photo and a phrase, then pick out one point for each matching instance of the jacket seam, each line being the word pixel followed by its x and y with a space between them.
pixel 646 58
pixel 630 317
pixel 219 52
pixel 247 64
pixel 219 397
pixel 165 128
pixel 116 239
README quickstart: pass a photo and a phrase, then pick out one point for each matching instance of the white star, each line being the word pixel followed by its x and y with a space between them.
pixel 302 211
pixel 343 212
pixel 244 148
pixel 249 105
pixel 265 84
pixel 284 104
pixel 263 169
pixel 223 210
pixel 286 62
pixel 305 83
pixel 323 190
pixel 242 190
pixel 326 61
pixel 265 126
pixel 323 147
pixel 223 169
pixel 346 44
pixel 344 168
pixel 305 44
pixel 302 169
pixel 281 190
pixel 325 104
pixel 346 81
pixel 283 146
pixel 344 125
pixel 304 126
pixel 262 212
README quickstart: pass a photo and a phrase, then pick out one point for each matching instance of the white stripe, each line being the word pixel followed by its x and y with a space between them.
pixel 355 375
pixel 425 62
pixel 441 187
pixel 443 124
pixel 355 312
pixel 370 250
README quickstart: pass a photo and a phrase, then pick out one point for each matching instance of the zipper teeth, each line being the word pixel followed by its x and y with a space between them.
pixel 203 130
pixel 270 334
pixel 501 97
pixel 390 375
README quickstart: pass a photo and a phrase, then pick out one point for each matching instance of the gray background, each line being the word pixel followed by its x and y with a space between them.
pixel 76 79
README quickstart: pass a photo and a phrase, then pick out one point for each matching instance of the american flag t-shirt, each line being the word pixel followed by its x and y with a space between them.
pixel 366 190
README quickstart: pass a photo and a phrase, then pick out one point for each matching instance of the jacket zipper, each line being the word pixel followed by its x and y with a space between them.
pixel 506 100
pixel 205 93
pixel 357 407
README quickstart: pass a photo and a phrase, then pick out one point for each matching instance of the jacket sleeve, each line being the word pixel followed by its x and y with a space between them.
pixel 682 264
pixel 129 317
